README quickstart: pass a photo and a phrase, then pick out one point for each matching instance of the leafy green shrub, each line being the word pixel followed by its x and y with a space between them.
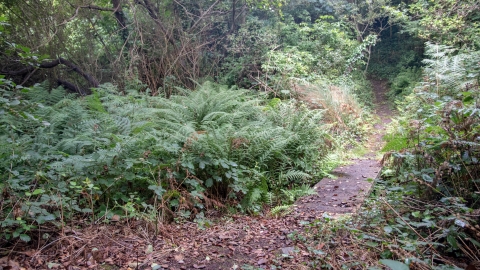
pixel 137 155
pixel 246 49
pixel 440 166
pixel 310 52
pixel 404 83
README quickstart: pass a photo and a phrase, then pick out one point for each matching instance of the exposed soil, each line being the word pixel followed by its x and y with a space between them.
pixel 228 244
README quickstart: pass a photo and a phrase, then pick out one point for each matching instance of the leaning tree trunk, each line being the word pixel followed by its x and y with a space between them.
pixel 92 81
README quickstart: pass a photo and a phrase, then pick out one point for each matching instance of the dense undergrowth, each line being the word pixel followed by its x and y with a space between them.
pixel 427 201
pixel 137 155
pixel 128 152
pixel 423 212
pixel 169 153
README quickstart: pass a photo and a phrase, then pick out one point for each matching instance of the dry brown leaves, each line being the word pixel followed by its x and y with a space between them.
pixel 230 244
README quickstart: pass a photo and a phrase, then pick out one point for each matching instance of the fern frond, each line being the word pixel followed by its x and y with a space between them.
pixel 281 210
pixel 294 175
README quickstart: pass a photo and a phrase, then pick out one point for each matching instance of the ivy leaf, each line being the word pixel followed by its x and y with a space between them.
pixel 427 178
pixel 157 189
pixel 394 265
pixel 416 214
pixel 209 182
pixel 25 237
pixel 38 191
pixel 14 102
pixel 42 219
pixel 452 241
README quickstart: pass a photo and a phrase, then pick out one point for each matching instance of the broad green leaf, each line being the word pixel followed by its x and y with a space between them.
pixel 452 241
pixel 416 214
pixel 38 191
pixel 386 254
pixel 209 182
pixel 174 203
pixel 44 218
pixel 394 265
pixel 475 242
pixel 427 178
pixel 14 102
pixel 25 237
pixel 224 165
pixel 157 189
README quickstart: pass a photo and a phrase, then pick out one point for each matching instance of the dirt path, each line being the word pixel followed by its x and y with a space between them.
pixel 346 192
pixel 238 242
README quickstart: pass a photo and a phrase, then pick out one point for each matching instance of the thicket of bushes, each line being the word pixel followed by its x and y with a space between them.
pixel 127 151
pixel 432 178
pixel 138 155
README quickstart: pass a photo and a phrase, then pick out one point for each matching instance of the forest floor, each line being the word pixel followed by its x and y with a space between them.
pixel 232 242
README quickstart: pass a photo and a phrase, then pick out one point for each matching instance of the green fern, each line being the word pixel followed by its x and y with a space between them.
pixel 253 200
pixel 281 210
pixel 448 70
pixel 270 198
pixel 395 144
pixel 215 142
pixel 293 194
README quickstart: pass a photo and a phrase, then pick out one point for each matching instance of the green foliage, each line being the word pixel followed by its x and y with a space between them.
pixel 306 11
pixel 395 143
pixel 449 72
pixel 446 22
pixel 448 120
pixel 266 4
pixel 288 54
pixel 438 167
pixel 246 50
pixel 109 154
pixel 281 210
pixel 365 18
pixel 404 83
pixel 395 53
pixel 394 265
pixel 309 51
pixel 293 194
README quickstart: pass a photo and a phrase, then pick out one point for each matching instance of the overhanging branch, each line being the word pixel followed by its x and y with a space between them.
pixel 91 80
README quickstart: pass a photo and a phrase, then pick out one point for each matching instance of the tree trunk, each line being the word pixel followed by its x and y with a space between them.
pixel 92 81
pixel 232 28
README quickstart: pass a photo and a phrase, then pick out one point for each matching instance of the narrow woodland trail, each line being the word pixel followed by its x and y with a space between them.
pixel 346 192
pixel 231 243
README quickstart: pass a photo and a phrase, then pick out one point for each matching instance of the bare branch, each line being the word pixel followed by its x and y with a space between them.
pixel 86 7
pixel 72 87
pixel 153 14
pixel 71 19
pixel 100 8
pixel 203 15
